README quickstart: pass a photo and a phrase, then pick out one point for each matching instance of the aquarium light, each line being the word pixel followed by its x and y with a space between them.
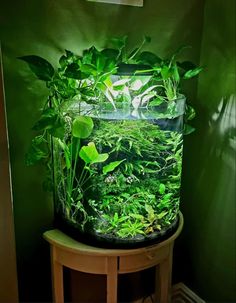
pixel 121 2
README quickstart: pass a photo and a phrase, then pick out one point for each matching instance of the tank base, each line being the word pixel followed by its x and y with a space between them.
pixel 106 241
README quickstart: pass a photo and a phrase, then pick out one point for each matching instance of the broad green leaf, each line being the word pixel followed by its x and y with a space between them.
pixel 82 127
pixel 110 53
pixel 192 73
pixel 165 72
pixel 90 154
pixel 148 58
pixel 111 166
pixel 73 71
pixel 100 63
pixel 39 66
pixel 100 158
pixel 88 69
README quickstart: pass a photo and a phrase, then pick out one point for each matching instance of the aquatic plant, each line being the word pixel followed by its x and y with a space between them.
pixel 123 177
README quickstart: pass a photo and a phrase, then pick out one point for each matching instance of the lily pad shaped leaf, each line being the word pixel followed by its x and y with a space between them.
pixel 82 127
pixel 90 154
pixel 111 166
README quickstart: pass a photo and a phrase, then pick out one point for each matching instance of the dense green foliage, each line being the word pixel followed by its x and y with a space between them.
pixel 122 177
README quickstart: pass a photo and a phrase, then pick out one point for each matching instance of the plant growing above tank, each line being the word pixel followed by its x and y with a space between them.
pixel 115 169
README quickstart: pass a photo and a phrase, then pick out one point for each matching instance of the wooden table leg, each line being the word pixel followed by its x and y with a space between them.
pixel 112 277
pixel 57 278
pixel 164 279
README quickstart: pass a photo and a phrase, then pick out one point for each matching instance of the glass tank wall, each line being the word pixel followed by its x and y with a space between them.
pixel 117 172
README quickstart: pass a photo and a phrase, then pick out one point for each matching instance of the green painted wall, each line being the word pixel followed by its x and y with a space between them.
pixel 46 28
pixel 209 177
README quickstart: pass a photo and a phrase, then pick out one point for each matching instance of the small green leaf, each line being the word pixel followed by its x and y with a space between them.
pixel 176 73
pixel 39 66
pixel 162 188
pixel 137 216
pixel 165 72
pixel 189 113
pixel 82 127
pixel 111 166
pixel 192 73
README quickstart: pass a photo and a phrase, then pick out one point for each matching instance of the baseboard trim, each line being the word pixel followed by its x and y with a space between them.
pixel 182 294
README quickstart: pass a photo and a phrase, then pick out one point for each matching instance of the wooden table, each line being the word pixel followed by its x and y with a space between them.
pixel 65 251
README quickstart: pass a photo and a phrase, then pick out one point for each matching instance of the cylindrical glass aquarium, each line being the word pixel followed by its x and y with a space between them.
pixel 112 126
pixel 118 172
